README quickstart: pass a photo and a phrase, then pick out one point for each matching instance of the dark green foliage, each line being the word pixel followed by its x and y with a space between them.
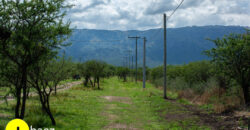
pixel 175 71
pixel 232 57
pixel 190 74
pixel 96 70
pixel 140 73
pixel 156 73
pixel 197 72
pixel 109 71
pixel 122 73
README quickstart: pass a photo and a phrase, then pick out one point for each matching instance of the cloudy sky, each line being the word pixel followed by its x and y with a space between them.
pixel 147 14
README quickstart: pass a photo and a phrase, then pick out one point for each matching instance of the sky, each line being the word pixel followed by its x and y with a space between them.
pixel 148 14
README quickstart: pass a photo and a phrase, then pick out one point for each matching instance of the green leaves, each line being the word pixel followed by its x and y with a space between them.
pixel 232 57
pixel 231 54
pixel 33 25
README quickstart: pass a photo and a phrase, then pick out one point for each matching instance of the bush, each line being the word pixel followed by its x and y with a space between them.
pixel 200 82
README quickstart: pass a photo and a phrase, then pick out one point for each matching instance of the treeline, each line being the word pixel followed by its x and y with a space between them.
pixel 224 80
pixel 201 82
pixel 192 74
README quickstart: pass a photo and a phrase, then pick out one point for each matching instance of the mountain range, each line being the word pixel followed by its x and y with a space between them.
pixel 184 44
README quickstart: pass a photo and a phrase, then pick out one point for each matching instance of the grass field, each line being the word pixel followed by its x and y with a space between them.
pixel 118 105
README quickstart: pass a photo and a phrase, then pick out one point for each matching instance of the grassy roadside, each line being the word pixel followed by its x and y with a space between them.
pixel 85 108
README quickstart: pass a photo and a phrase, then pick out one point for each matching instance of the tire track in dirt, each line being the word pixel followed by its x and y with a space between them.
pixel 112 117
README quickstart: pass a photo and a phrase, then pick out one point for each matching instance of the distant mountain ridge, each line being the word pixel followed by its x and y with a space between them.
pixel 184 44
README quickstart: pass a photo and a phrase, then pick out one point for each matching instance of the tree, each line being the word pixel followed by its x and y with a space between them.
pixel 85 71
pixel 232 56
pixel 123 72
pixel 45 77
pixel 30 29
pixel 109 71
pixel 60 70
pixel 98 71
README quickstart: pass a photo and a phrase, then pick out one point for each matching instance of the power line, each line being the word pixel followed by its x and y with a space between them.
pixel 175 10
pixel 97 41
pixel 136 40
pixel 161 29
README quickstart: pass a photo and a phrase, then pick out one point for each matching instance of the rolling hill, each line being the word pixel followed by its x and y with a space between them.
pixel 184 44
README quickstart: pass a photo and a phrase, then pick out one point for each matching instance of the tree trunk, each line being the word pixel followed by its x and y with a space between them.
pixel 55 89
pixel 124 78
pixel 28 92
pixel 49 113
pixel 98 81
pixel 86 81
pixel 51 117
pixel 45 106
pixel 245 88
pixel 24 86
pixel 18 102
pixel 91 82
pixel 94 81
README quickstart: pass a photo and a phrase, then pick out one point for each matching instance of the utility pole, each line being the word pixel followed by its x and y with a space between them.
pixel 165 56
pixel 144 62
pixel 129 62
pixel 132 62
pixel 125 61
pixel 136 39
pixel 165 48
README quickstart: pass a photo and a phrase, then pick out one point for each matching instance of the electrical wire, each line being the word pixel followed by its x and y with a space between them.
pixel 97 41
pixel 175 10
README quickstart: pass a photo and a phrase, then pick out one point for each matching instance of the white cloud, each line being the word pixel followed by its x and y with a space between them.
pixel 147 14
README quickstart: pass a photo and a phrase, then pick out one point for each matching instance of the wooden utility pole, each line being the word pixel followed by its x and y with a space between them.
pixel 165 48
pixel 136 39
pixel 129 62
pixel 132 62
pixel 125 61
pixel 165 56
pixel 144 62
pixel 127 65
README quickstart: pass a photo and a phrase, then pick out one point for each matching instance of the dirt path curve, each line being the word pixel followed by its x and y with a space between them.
pixel 112 117
pixel 61 87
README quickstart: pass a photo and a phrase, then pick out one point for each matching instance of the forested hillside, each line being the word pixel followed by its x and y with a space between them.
pixel 184 44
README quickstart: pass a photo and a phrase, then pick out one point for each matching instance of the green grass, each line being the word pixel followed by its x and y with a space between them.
pixel 81 108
